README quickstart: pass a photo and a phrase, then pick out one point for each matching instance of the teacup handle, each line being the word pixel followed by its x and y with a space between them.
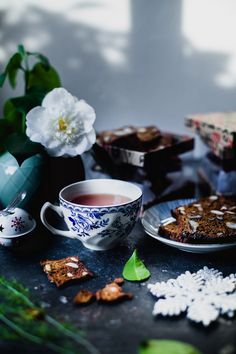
pixel 55 231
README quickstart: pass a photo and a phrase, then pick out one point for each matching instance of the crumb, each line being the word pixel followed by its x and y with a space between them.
pixel 84 297
pixel 112 292
pixel 63 299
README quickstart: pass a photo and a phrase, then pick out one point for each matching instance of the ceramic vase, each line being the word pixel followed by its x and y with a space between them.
pixel 40 175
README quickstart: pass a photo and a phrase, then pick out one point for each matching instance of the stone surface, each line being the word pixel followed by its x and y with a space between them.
pixel 118 328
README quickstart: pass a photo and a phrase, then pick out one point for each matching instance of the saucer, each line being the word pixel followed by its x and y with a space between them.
pixel 154 216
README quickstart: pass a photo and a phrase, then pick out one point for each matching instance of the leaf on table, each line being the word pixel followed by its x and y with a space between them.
pixel 165 346
pixel 134 269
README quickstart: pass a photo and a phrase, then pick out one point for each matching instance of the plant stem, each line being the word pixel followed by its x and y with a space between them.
pixel 18 293
pixel 20 331
pixel 32 338
pixel 77 338
pixel 27 71
pixel 74 336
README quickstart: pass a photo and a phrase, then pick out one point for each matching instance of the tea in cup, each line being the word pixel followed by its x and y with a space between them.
pixel 98 212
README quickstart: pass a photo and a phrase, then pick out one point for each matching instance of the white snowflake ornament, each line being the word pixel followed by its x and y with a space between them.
pixel 203 295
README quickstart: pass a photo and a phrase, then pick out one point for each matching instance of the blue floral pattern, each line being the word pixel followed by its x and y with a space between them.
pixel 113 221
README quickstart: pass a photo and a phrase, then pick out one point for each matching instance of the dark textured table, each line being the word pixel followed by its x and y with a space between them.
pixel 118 328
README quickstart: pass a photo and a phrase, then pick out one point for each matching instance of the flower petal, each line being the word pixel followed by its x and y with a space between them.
pixel 59 98
pixel 37 123
pixel 85 111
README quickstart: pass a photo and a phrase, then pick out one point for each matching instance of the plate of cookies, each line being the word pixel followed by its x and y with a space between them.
pixel 198 226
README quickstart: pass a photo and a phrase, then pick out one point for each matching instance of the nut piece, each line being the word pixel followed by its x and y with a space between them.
pixel 47 268
pixel 213 197
pixel 182 210
pixel 199 206
pixel 84 297
pixel 194 225
pixel 112 292
pixel 217 212
pixel 73 265
pixel 231 225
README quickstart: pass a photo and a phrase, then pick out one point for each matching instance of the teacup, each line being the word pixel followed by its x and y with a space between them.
pixel 101 226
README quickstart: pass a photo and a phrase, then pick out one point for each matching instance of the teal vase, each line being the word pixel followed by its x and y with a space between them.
pixel 41 176
pixel 15 178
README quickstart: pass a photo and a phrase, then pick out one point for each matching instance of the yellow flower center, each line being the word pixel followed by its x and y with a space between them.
pixel 62 124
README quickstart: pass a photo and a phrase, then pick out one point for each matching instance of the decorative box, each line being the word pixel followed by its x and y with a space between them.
pixel 144 147
pixel 217 130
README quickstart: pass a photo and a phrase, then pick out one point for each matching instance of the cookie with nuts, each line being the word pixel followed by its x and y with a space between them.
pixel 65 270
pixel 208 220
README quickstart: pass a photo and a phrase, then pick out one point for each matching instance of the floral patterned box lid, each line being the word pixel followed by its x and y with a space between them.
pixel 217 130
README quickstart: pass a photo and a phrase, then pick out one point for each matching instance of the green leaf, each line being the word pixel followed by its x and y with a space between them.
pixel 46 79
pixel 21 51
pixel 134 269
pixel 42 58
pixel 25 103
pixel 15 109
pixel 164 346
pixel 2 78
pixel 12 68
pixel 18 144
pixel 12 116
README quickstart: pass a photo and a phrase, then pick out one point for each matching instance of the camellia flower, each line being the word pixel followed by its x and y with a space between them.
pixel 62 124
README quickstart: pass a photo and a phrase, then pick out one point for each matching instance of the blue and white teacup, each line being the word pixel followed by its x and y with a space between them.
pixel 98 227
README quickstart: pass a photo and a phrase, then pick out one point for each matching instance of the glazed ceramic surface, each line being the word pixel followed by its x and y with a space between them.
pixel 17 223
pixel 97 227
pixel 159 213
pixel 15 227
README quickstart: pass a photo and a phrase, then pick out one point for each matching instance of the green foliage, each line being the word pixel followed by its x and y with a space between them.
pixel 164 346
pixel 12 116
pixel 3 77
pixel 23 320
pixel 13 67
pixel 134 269
pixel 18 144
pixel 38 81
pixel 40 76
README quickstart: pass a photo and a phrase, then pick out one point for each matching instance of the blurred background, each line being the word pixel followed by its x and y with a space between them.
pixel 135 61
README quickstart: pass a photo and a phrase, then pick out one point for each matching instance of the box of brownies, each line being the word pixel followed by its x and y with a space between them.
pixel 217 130
pixel 143 146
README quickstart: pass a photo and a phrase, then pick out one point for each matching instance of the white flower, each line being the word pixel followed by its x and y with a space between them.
pixel 63 124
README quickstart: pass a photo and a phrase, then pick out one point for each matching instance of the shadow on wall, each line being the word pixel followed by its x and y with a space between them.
pixel 140 75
